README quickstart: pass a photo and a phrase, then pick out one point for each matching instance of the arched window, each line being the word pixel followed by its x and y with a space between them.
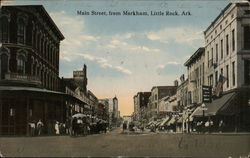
pixel 21 64
pixel 21 30
pixel 4 29
pixel 4 64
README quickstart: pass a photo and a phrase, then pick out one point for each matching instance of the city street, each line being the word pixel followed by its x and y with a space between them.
pixel 115 143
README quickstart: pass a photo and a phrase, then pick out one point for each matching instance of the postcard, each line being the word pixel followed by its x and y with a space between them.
pixel 125 78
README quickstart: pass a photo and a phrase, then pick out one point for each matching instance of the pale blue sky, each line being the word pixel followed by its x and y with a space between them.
pixel 128 54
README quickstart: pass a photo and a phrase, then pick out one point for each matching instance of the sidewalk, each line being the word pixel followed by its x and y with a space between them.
pixel 213 133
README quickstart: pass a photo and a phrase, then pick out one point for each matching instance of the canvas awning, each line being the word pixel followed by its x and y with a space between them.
pixel 214 107
pixel 171 121
pixel 164 121
pixel 150 123
pixel 179 120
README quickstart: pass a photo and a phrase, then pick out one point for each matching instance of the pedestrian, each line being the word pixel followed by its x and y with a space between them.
pixel 80 126
pixel 124 126
pixel 1 155
pixel 88 128
pixel 207 126
pixel 74 126
pixel 39 126
pixel 32 126
pixel 57 128
pixel 211 124
pixel 221 124
pixel 67 127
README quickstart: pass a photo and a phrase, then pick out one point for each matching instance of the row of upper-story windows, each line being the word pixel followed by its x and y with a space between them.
pixel 228 76
pixel 4 29
pixel 45 47
pixel 41 43
pixel 224 46
pixel 213 54
pixel 216 31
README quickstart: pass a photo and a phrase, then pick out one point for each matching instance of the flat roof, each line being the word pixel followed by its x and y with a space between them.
pixel 197 54
pixel 244 3
pixel 43 11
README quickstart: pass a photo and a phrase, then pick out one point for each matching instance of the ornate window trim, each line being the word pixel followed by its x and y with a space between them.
pixel 5 51
pixel 8 27
pixel 24 53
pixel 24 17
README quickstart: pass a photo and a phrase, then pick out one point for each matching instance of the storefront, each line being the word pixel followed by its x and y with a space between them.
pixel 232 108
pixel 22 105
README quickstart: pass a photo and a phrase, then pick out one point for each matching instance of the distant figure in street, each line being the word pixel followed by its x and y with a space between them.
pixel 39 126
pixel 124 126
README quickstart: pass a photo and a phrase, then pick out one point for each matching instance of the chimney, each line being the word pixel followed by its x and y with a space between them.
pixel 85 70
pixel 176 83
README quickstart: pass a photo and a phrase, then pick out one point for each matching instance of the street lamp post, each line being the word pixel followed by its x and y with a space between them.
pixel 203 108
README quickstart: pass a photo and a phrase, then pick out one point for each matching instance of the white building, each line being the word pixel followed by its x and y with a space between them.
pixel 227 47
pixel 196 69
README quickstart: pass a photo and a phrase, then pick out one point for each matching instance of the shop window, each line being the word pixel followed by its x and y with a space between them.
pixel 4 65
pixel 4 29
pixel 21 30
pixel 21 64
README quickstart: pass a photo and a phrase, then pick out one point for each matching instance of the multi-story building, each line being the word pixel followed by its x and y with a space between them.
pixel 80 78
pixel 93 102
pixel 113 114
pixel 168 105
pixel 140 105
pixel 29 71
pixel 101 111
pixel 157 93
pixel 196 76
pixel 227 60
pixel 227 46
pixel 181 93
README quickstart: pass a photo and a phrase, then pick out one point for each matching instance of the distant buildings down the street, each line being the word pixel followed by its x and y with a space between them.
pixel 217 88
pixel 30 86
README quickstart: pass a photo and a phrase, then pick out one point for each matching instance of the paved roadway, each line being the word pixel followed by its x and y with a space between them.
pixel 116 144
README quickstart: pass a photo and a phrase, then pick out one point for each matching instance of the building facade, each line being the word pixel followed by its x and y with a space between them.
pixel 227 47
pixel 196 77
pixel 29 71
pixel 227 56
pixel 141 100
pixel 157 93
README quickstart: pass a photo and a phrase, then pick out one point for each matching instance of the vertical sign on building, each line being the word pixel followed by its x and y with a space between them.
pixel 206 94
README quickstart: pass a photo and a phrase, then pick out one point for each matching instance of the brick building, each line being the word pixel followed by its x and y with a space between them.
pixel 29 72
